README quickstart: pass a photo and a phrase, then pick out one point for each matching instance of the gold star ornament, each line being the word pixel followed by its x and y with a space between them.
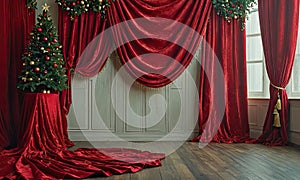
pixel 45 7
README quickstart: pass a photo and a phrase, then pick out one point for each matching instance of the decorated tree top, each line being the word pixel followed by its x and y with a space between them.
pixel 43 61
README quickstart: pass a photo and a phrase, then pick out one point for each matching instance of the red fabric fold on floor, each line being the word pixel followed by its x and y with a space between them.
pixel 43 153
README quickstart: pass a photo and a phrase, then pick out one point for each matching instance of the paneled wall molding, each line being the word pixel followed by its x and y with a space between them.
pixel 106 105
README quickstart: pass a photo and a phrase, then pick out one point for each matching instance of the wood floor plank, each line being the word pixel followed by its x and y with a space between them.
pixel 168 170
pixel 147 174
pixel 220 161
pixel 181 168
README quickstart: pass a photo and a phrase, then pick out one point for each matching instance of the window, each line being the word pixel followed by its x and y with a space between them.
pixel 258 80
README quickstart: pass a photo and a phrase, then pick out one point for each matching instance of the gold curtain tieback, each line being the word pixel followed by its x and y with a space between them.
pixel 277 107
pixel 277 87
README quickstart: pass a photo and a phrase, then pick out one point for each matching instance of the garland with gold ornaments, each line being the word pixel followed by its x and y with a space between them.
pixel 31 4
pixel 77 7
pixel 229 9
pixel 234 9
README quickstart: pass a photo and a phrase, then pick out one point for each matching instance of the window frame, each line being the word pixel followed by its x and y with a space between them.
pixel 266 82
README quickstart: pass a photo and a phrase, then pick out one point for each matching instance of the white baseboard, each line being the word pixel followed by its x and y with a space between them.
pixel 255 133
pixel 294 137
pixel 107 136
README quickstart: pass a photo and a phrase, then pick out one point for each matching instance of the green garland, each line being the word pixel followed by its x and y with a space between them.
pixel 229 9
pixel 234 9
pixel 77 7
pixel 31 4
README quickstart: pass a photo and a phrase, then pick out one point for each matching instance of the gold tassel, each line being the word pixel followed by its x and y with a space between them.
pixel 276 113
pixel 278 104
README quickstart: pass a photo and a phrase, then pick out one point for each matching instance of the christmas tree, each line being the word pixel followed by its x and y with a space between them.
pixel 43 61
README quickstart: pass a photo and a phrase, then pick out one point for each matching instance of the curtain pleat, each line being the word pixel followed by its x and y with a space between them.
pixel 228 43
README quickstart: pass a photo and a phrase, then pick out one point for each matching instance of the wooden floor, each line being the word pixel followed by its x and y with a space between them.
pixel 221 161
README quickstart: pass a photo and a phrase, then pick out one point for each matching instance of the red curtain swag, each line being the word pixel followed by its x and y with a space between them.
pixel 155 35
pixel 139 27
pixel 43 154
pixel 279 37
pixel 228 42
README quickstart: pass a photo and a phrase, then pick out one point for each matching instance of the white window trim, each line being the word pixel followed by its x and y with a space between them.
pixel 266 81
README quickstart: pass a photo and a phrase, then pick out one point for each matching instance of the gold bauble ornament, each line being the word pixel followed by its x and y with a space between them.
pixel 30 79
pixel 44 91
pixel 48 91
pixel 31 63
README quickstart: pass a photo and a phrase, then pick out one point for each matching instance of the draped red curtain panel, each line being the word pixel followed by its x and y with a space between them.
pixel 16 23
pixel 5 56
pixel 228 42
pixel 279 29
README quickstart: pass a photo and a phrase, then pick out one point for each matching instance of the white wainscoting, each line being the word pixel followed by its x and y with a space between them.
pixel 93 117
pixel 93 97
pixel 294 135
pixel 257 112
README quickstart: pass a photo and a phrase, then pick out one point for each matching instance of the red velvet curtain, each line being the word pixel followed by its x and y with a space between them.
pixel 4 61
pixel 279 29
pixel 166 37
pixel 228 43
pixel 16 23
pixel 75 36
pixel 135 32
pixel 4 50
